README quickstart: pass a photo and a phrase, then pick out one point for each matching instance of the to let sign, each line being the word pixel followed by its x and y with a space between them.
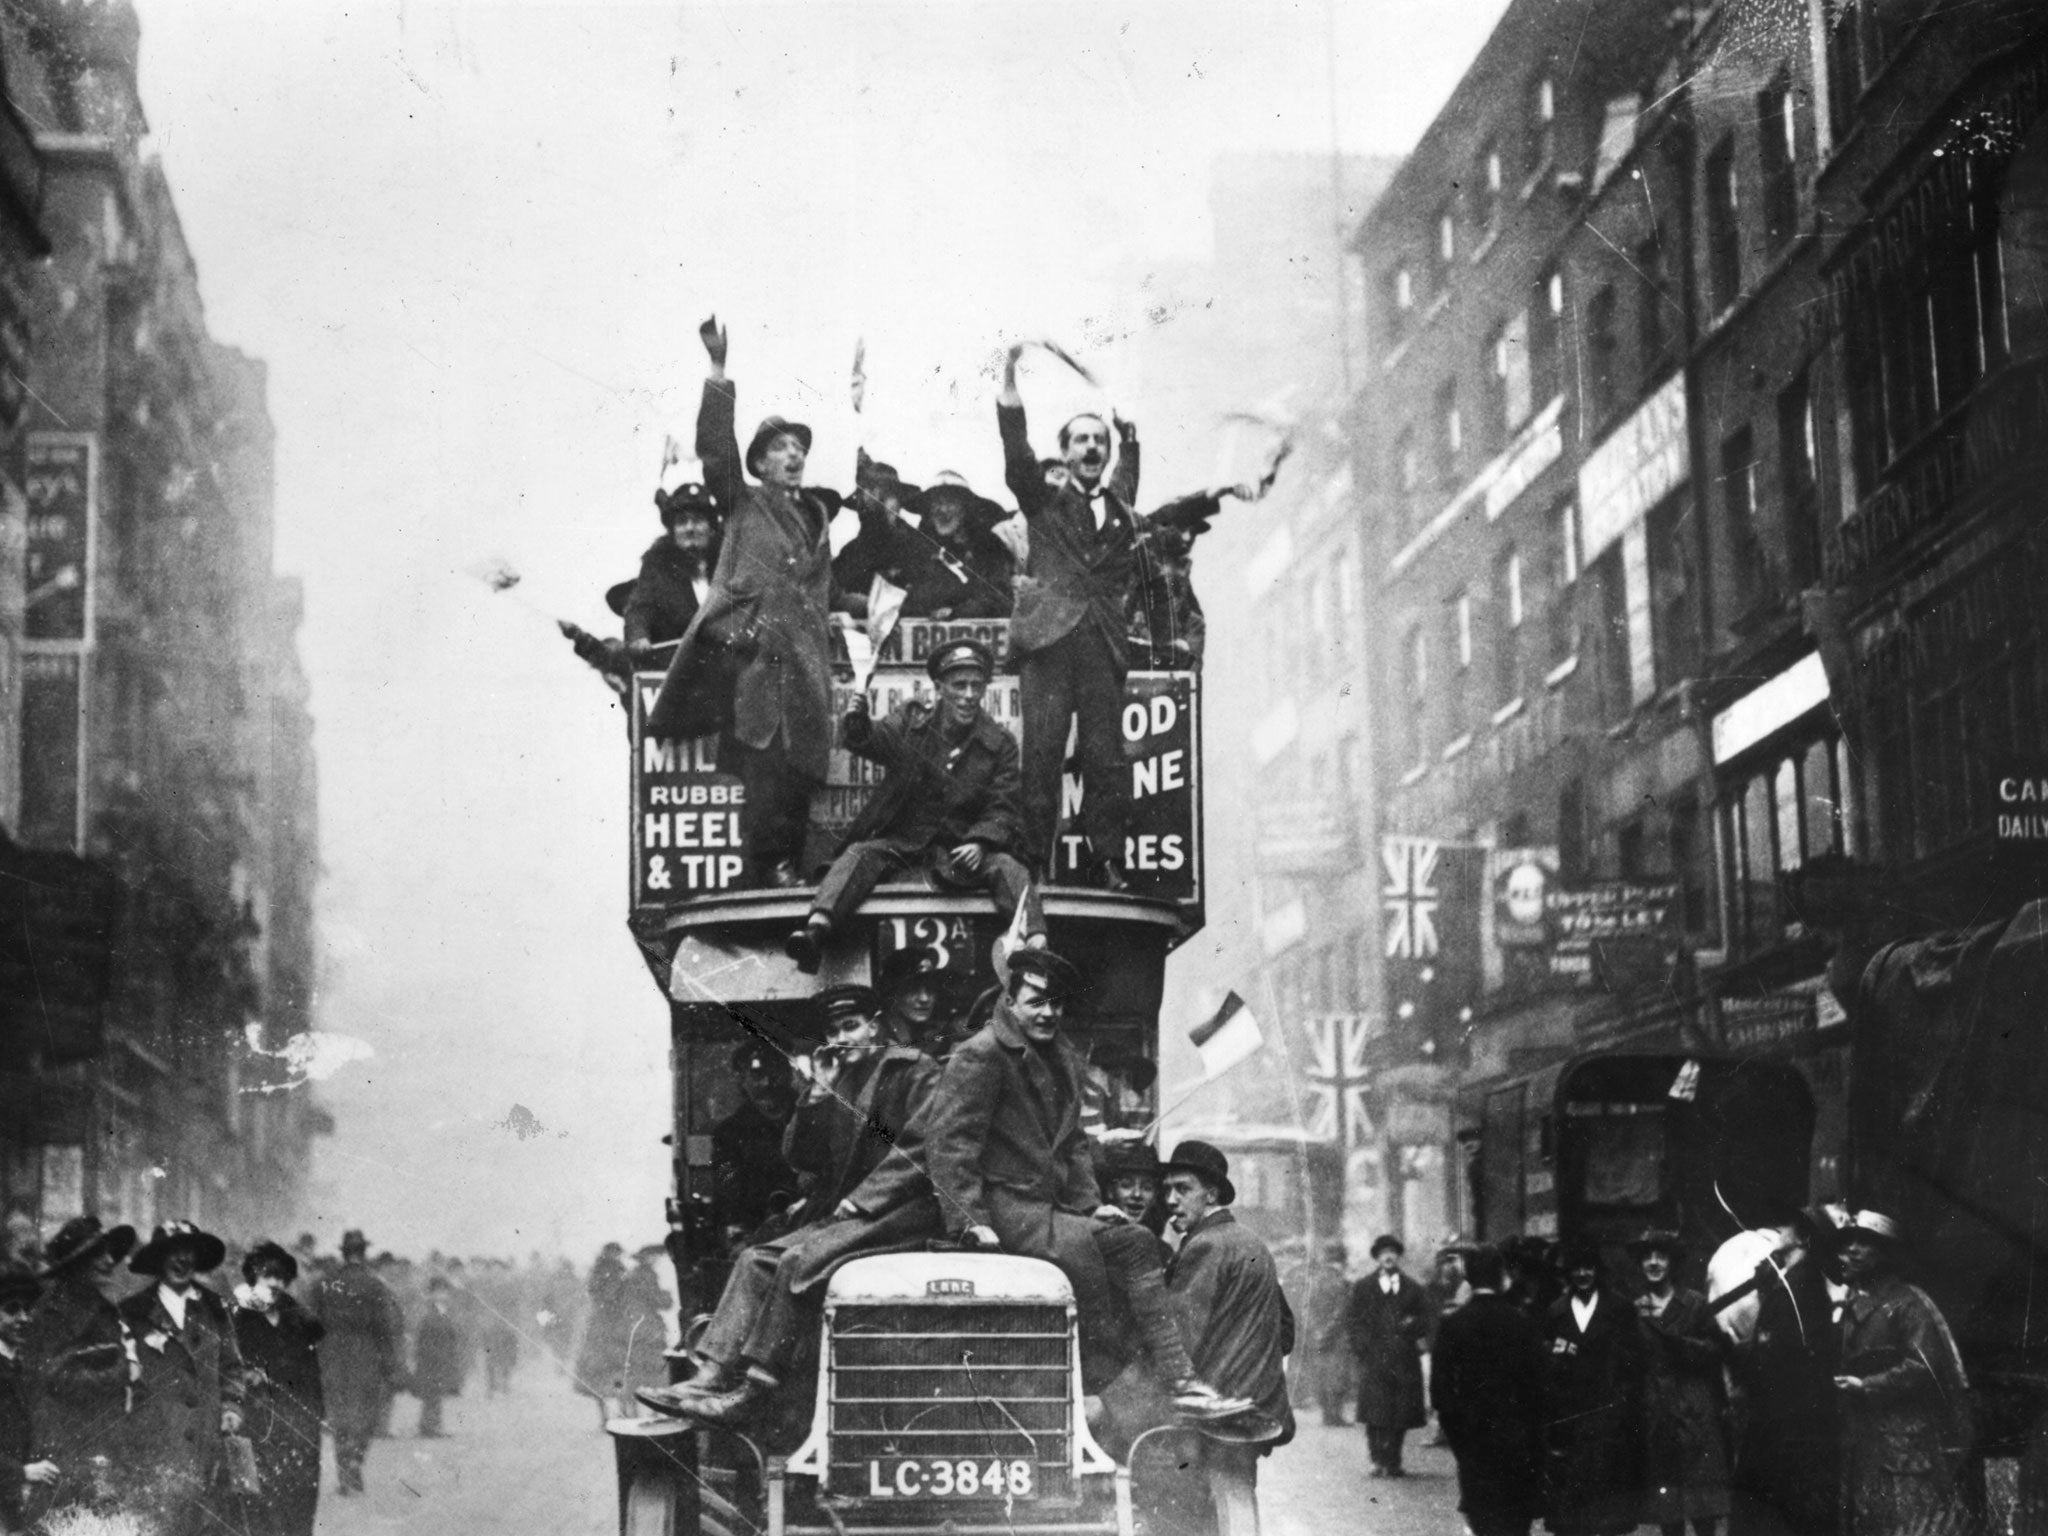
pixel 1643 461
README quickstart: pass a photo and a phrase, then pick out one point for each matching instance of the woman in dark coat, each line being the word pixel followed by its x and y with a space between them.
pixel 75 1358
pixel 439 1355
pixel 601 1359
pixel 280 1340
pixel 1486 1378
pixel 1685 1448
pixel 1592 1404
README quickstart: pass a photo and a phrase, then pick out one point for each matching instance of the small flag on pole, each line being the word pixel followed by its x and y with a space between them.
pixel 1013 938
pixel 1228 1038
pixel 859 381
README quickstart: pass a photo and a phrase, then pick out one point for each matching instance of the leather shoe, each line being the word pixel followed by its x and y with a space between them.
pixel 738 1405
pixel 806 946
pixel 676 1402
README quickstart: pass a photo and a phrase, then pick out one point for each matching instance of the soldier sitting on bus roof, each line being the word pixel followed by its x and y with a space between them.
pixel 949 800
pixel 1001 1146
pixel 863 1093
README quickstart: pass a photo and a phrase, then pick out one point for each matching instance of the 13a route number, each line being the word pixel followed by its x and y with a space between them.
pixel 949 1479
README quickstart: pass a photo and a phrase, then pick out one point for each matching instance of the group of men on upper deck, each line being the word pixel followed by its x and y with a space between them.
pixel 990 1152
pixel 738 600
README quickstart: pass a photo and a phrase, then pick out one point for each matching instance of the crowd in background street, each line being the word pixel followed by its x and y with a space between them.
pixel 1818 1394
pixel 173 1387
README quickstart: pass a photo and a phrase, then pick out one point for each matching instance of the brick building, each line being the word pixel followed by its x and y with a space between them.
pixel 164 815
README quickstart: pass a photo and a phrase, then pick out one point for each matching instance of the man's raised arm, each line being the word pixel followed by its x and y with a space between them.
pixel 1020 466
pixel 718 444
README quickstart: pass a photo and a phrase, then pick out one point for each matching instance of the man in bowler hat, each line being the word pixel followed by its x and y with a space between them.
pixel 948 801
pixel 188 1382
pixel 76 1357
pixel 1390 1326
pixel 361 1355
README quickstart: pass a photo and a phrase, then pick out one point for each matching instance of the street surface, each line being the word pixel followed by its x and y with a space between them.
pixel 533 1463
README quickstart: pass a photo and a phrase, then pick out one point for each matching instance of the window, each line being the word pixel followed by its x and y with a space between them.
pixel 1408 480
pixel 1572 841
pixel 1603 357
pixel 1691 865
pixel 1486 187
pixel 1778 143
pixel 1347 582
pixel 1798 478
pixel 1450 433
pixel 1415 655
pixel 1564 565
pixel 1674 592
pixel 1780 813
pixel 1724 229
pixel 1398 304
pixel 1507 632
pixel 1653 329
pixel 1542 123
pixel 1866 33
pixel 1458 614
pixel 1445 249
pixel 1496 420
pixel 1750 583
pixel 1546 318
pixel 1609 639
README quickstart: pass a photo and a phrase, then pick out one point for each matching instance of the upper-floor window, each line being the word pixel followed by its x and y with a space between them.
pixel 1724 226
pixel 1414 720
pixel 1778 143
pixel 1459 644
pixel 1674 592
pixel 1398 303
pixel 1653 314
pixel 1487 179
pixel 1864 36
pixel 1546 320
pixel 1542 123
pixel 1507 634
pixel 1751 575
pixel 1798 478
pixel 1603 356
pixel 1445 248
pixel 1450 433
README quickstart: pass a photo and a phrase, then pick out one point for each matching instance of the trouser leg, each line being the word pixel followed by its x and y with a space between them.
pixel 783 1318
pixel 747 1293
pixel 430 1415
pixel 778 803
pixel 1380 1446
pixel 1233 1475
pixel 1045 687
pixel 1099 742
pixel 1008 882
pixel 853 875
pixel 1131 1255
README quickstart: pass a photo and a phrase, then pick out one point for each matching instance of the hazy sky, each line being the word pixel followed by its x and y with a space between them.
pixel 473 244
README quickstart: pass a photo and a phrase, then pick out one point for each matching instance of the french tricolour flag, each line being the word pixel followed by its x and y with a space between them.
pixel 1227 1038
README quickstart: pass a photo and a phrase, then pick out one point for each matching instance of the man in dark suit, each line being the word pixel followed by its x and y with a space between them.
pixel 1390 1325
pixel 949 797
pixel 863 1093
pixel 360 1356
pixel 188 1384
pixel 1068 632
pixel 1487 1380
pixel 1003 1148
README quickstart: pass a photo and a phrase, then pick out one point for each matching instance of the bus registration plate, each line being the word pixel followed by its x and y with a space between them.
pixel 937 1478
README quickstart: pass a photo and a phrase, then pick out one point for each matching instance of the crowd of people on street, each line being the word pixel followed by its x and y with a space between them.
pixel 742 596
pixel 1829 1400
pixel 182 1389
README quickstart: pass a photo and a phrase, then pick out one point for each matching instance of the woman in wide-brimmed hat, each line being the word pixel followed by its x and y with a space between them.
pixel 1685 1451
pixel 74 1346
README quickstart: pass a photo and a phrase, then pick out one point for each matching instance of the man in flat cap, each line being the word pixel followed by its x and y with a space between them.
pixel 948 800
pixel 862 1095
pixel 1239 1328
pixel 359 1357
pixel 917 1007
pixel 76 1357
pixel 770 605
pixel 188 1384
pixel 1390 1326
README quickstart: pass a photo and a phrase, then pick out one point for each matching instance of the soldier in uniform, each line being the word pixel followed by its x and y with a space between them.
pixel 359 1357
pixel 949 801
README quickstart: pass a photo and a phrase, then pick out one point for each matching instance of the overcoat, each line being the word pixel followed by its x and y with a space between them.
pixel 1904 1437
pixel 170 1444
pixel 601 1358
pixel 1486 1379
pixel 1387 1335
pixel 1788 1452
pixel 1000 1140
pixel 1321 1366
pixel 438 1356
pixel 286 1405
pixel 17 1441
pixel 363 1348
pixel 664 597
pixel 1592 1405
pixel 1075 573
pixel 1237 1325
pixel 837 1140
pixel 73 1351
pixel 1685 1408
pixel 930 795
pixel 771 598
pixel 969 575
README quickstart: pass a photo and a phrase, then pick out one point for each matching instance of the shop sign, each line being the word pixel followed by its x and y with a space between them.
pixel 62 483
pixel 1612 933
pixel 1642 461
pixel 2019 802
pixel 1772 1022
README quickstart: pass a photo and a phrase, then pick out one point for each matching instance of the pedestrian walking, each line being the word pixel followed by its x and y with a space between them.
pixel 1787 1474
pixel 286 1402
pixel 187 1384
pixel 1905 1416
pixel 1320 1368
pixel 24 1470
pixel 1685 1407
pixel 1592 1404
pixel 76 1360
pixel 601 1358
pixel 359 1358
pixel 1486 1381
pixel 438 1348
pixel 1389 1325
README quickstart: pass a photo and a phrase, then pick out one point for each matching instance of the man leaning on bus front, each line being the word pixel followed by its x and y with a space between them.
pixel 1002 1143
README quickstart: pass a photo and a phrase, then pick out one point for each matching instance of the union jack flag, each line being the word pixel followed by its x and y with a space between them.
pixel 1338 1078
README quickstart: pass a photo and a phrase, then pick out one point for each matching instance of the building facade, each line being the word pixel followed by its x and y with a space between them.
pixel 1691 448
pixel 165 770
